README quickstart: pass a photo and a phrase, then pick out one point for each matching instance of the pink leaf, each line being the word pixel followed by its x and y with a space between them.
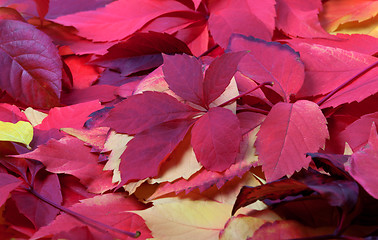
pixel 216 139
pixel 73 116
pixel 69 155
pixel 118 19
pixel 364 163
pixel 287 134
pixel 300 18
pixel 328 67
pixel 31 66
pixel 270 61
pixel 247 17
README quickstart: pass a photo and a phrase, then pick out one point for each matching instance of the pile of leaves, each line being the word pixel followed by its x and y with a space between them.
pixel 188 119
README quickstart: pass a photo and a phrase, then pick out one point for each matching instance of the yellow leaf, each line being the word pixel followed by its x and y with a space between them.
pixel 176 219
pixel 337 12
pixel 21 132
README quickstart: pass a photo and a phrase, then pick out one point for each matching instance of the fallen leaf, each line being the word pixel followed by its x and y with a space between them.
pixel 21 132
pixel 287 134
pixel 32 70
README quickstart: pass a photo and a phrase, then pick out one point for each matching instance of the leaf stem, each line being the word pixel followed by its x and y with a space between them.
pixel 352 79
pixel 91 222
pixel 243 94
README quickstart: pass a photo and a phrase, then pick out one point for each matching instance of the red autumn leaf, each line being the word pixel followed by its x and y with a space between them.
pixel 31 71
pixel 219 74
pixel 110 209
pixel 287 229
pixel 331 163
pixel 203 180
pixel 300 19
pixel 102 93
pixel 42 7
pixel 37 211
pixel 11 113
pixel 356 42
pixel 61 117
pixel 150 148
pixel 143 111
pixel 216 139
pixel 7 184
pixel 10 14
pixel 142 51
pixel 183 74
pixel 358 90
pixel 357 133
pixel 328 67
pixel 247 17
pixel 272 191
pixel 267 61
pixel 69 155
pixel 364 163
pixel 83 74
pixel 287 134
pixel 118 19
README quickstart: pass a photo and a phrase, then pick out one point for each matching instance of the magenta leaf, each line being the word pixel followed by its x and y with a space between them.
pixel 31 66
pixel 219 74
pixel 7 184
pixel 184 76
pixel 143 111
pixel 150 148
pixel 364 163
pixel 216 139
pixel 36 210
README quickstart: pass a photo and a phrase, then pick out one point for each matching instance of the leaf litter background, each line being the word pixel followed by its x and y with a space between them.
pixel 181 119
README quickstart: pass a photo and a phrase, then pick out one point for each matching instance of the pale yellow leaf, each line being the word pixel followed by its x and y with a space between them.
pixel 183 219
pixel 21 132
pixel 116 143
pixel 230 92
pixel 35 117
pixel 241 227
pixel 348 150
pixel 337 12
